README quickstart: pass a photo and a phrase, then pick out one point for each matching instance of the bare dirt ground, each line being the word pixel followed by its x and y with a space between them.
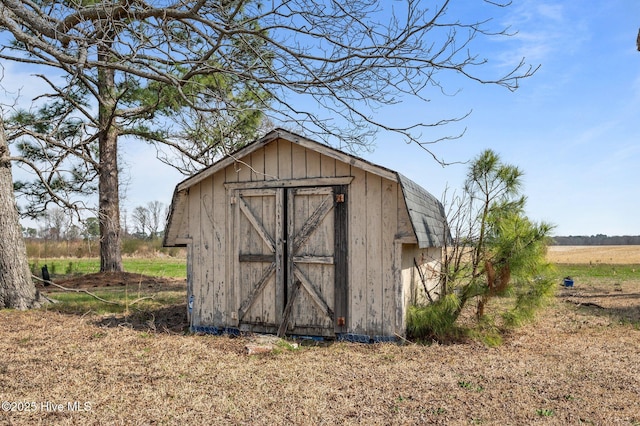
pixel 578 364
pixel 119 279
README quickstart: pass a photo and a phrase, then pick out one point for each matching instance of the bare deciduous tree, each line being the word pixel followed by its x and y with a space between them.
pixel 55 220
pixel 147 219
pixel 156 209
pixel 141 220
pixel 170 72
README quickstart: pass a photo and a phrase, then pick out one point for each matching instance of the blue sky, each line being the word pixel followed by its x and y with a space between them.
pixel 573 128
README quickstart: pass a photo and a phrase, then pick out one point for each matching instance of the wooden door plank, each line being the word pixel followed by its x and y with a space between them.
pixel 252 242
pixel 256 223
pixel 256 291
pixel 290 232
pixel 238 286
pixel 280 259
pixel 313 292
pixel 256 258
pixel 320 260
pixel 267 216
pixel 312 223
pixel 284 323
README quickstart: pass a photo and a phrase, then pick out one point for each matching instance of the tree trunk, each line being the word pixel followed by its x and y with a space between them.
pixel 17 290
pixel 109 201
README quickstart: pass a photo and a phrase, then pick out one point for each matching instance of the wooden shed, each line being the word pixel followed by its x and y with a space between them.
pixel 291 236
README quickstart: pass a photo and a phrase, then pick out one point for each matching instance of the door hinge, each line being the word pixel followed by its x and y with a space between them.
pixel 233 200
pixel 339 198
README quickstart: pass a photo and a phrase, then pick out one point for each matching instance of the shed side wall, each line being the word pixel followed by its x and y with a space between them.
pixel 429 262
pixel 375 222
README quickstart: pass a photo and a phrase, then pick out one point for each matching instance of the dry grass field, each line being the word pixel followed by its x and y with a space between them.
pixel 615 255
pixel 579 363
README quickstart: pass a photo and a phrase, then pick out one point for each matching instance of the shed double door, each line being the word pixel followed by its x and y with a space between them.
pixel 285 247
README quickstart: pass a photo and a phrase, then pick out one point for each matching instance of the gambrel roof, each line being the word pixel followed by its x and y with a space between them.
pixel 426 213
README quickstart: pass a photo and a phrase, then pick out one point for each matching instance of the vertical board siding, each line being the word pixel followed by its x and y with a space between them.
pixel 358 259
pixel 257 165
pixel 190 283
pixel 194 223
pixel 232 300
pixel 341 169
pixel 285 170
pixel 399 290
pixel 328 167
pixel 243 169
pixel 389 229
pixel 313 163
pixel 206 249
pixel 408 278
pixel 374 254
pixel 271 161
pixel 430 262
pixel 220 278
pixel 298 162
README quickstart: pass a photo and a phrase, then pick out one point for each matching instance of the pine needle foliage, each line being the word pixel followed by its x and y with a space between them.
pixel 434 321
pixel 497 252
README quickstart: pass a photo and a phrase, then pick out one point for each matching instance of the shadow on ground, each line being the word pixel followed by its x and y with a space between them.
pixel 619 305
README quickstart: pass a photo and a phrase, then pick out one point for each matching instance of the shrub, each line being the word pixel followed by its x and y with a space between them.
pixel 435 320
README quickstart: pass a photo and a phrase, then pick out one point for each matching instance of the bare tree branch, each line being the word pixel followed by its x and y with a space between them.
pixel 351 58
pixel 87 292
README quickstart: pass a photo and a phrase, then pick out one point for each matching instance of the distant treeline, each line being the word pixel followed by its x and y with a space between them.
pixel 597 240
